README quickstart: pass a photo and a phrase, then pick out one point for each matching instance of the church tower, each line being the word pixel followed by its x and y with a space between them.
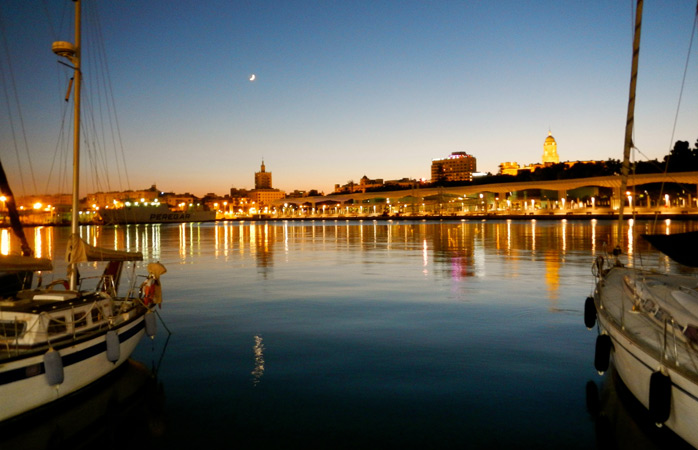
pixel 262 179
pixel 550 155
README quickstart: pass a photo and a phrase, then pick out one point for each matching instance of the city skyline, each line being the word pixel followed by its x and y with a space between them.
pixel 345 90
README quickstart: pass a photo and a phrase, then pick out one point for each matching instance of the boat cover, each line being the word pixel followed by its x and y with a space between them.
pixel 81 251
pixel 681 247
pixel 17 263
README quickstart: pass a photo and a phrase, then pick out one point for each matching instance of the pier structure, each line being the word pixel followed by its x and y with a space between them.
pixel 582 196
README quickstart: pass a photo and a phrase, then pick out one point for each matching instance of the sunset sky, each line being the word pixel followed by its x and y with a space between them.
pixel 345 89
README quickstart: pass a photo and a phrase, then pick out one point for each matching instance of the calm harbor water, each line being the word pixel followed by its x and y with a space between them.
pixel 360 334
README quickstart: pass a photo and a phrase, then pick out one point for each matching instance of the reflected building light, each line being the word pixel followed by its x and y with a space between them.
pixel 146 245
pixel 425 254
pixel 667 226
pixel 593 237
pixel 4 242
pixel 389 231
pixel 241 237
pixel 533 235
pixel 49 242
pixel 253 238
pixel 286 237
pixel 508 235
pixel 564 236
pixel 216 237
pixel 226 238
pixel 552 279
pixel 182 241
pixel 266 237
pixel 497 237
pixel 37 242
pixel 258 370
pixel 191 239
pixel 479 256
pixel 631 239
pixel 156 241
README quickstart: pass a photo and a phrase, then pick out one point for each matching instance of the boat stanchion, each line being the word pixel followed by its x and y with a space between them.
pixel 602 355
pixel 589 313
pixel 53 365
pixel 660 397
pixel 113 346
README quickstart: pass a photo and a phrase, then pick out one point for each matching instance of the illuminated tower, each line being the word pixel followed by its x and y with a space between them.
pixel 550 150
pixel 262 179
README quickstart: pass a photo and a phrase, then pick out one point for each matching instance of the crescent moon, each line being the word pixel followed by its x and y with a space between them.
pixel 253 77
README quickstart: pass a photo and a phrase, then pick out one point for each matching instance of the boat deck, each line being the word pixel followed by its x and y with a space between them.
pixel 647 324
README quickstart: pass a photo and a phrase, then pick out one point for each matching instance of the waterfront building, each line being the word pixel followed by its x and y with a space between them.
pixel 366 185
pixel 459 166
pixel 118 198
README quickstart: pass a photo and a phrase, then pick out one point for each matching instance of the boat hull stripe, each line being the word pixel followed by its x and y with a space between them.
pixel 627 350
pixel 37 369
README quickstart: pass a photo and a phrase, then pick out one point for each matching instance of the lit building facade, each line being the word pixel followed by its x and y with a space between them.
pixel 262 179
pixel 550 155
pixel 509 168
pixel 263 194
pixel 110 199
pixel 459 166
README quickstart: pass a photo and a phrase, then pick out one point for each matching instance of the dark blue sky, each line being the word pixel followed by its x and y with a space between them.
pixel 352 88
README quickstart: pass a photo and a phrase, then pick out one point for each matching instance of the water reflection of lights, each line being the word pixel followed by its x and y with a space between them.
pixel 4 242
pixel 631 239
pixel 266 237
pixel 425 255
pixel 253 238
pixel 593 236
pixel 182 240
pixel 286 235
pixel 508 235
pixel 37 242
pixel 258 370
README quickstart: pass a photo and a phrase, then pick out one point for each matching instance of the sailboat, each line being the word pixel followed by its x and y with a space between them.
pixel 59 338
pixel 648 321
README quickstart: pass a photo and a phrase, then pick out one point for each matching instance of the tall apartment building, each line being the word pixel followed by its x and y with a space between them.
pixel 459 166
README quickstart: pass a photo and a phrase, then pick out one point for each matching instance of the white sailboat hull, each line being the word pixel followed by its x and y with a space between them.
pixel 637 349
pixel 23 382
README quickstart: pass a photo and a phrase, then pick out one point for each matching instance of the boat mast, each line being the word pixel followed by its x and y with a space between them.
pixel 629 123
pixel 72 53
